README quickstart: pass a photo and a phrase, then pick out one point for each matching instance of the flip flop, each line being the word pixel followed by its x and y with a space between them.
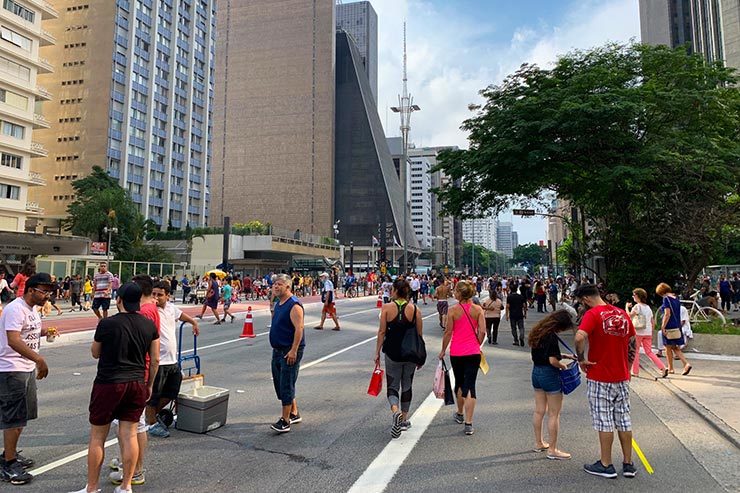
pixel 687 370
pixel 318 328
pixel 540 449
pixel 336 328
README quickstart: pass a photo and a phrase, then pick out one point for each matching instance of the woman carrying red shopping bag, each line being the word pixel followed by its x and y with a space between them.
pixel 400 338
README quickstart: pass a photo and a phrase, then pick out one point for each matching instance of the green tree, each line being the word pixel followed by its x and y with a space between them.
pixel 530 255
pixel 486 261
pixel 644 141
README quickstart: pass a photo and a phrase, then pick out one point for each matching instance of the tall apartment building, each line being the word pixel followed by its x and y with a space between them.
pixel 505 238
pixel 420 198
pixel 481 232
pixel 359 20
pixel 134 89
pixel 21 35
pixel 709 27
pixel 274 114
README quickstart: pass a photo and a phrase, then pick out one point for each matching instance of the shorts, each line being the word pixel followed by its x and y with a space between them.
pixel 465 369
pixel 166 384
pixel 122 401
pixel 546 378
pixel 442 307
pixel 227 304
pixel 284 376
pixel 610 405
pixel 212 303
pixel 101 303
pixel 329 309
pixel 18 402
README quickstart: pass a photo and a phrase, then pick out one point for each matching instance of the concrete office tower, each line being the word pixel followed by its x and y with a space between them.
pixel 514 240
pixel 274 114
pixel 481 232
pixel 20 109
pixel 360 20
pixel 368 191
pixel 711 28
pixel 134 94
pixel 420 198
pixel 504 238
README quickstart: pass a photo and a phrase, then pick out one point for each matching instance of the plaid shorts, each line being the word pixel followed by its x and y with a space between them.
pixel 610 405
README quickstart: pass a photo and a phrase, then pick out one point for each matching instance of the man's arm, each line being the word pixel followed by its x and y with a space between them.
pixel 95 349
pixel 632 350
pixel 153 365
pixel 16 344
pixel 296 317
pixel 184 317
pixel 581 337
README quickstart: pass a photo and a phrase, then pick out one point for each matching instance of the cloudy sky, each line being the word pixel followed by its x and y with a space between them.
pixel 457 47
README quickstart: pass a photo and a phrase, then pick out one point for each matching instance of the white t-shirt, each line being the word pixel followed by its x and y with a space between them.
pixel 386 288
pixel 168 317
pixel 415 284
pixel 504 283
pixel 686 322
pixel 19 317
pixel 648 314
pixel 3 285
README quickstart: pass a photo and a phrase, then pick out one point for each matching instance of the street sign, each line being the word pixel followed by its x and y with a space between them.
pixel 524 212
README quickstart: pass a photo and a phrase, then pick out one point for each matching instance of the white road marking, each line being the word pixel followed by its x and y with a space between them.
pixel 83 453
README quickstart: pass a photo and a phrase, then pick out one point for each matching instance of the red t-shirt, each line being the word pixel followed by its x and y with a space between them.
pixel 149 310
pixel 609 331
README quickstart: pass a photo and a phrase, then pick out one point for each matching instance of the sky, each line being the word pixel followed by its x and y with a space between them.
pixel 458 47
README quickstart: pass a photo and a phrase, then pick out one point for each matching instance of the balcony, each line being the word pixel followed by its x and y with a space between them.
pixel 40 122
pixel 36 179
pixel 46 38
pixel 44 67
pixel 43 93
pixel 47 10
pixel 38 150
pixel 34 208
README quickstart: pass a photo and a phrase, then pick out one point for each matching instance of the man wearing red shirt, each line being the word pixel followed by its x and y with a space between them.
pixel 611 350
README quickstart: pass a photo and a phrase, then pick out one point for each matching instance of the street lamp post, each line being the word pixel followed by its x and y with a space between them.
pixel 110 232
pixel 352 256
pixel 405 108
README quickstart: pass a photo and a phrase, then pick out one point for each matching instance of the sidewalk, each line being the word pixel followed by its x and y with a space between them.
pixel 712 390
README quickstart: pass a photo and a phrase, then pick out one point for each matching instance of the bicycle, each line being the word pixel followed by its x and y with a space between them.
pixel 700 314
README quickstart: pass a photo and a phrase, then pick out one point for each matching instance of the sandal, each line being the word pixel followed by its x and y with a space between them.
pixel 541 449
pixel 687 370
pixel 336 328
pixel 558 455
pixel 671 372
pixel 318 327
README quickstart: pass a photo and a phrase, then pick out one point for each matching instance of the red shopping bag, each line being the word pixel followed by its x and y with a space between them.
pixel 376 382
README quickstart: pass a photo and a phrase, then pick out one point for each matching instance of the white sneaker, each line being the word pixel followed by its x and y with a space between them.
pixel 84 490
pixel 116 464
pixel 118 489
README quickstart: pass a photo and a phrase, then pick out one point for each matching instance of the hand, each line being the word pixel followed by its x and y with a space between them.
pixel 149 391
pixel 291 357
pixel 377 359
pixel 196 329
pixel 41 369
pixel 585 365
pixel 441 354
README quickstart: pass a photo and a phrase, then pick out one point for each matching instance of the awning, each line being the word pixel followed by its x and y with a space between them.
pixel 18 243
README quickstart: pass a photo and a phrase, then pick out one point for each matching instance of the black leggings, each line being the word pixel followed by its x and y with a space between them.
pixel 492 328
pixel 465 369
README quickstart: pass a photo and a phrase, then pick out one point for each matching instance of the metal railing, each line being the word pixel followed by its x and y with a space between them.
pixel 41 120
pixel 38 148
pixel 36 178
pixel 34 208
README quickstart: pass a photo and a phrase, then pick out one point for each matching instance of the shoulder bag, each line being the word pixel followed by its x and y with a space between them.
pixel 483 363
pixel 639 320
pixel 570 378
pixel 674 334
pixel 413 348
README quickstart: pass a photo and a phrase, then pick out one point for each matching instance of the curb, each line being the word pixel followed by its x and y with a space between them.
pixel 728 432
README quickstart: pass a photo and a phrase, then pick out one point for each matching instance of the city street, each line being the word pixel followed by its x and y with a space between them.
pixel 344 443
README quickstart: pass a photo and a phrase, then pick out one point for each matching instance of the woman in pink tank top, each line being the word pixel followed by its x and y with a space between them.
pixel 466 328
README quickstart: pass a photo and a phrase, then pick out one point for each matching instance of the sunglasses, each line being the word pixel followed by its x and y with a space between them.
pixel 43 291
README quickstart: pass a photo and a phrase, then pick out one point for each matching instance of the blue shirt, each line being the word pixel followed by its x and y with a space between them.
pixel 282 331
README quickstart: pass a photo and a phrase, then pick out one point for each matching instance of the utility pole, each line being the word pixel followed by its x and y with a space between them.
pixel 405 108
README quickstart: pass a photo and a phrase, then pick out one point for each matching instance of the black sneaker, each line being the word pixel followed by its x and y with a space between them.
pixel 295 418
pixel 598 469
pixel 15 474
pixel 459 418
pixel 281 426
pixel 25 461
pixel 628 470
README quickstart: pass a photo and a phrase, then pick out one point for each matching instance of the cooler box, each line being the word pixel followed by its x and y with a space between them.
pixel 202 408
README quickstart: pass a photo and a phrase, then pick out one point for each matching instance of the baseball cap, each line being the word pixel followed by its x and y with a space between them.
pixel 42 278
pixel 130 295
pixel 323 274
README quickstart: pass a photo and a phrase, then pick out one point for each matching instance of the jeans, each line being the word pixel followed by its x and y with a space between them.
pixel 284 375
pixel 517 326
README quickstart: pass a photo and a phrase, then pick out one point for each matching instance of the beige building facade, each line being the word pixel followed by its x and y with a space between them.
pixel 21 36
pixel 273 146
pixel 81 82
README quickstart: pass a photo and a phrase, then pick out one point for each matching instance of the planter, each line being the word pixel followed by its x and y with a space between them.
pixel 715 344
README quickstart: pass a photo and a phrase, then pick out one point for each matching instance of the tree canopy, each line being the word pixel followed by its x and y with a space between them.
pixel 486 261
pixel 643 141
pixel 530 255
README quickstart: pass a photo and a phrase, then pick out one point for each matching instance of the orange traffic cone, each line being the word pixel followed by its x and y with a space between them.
pixel 379 304
pixel 248 330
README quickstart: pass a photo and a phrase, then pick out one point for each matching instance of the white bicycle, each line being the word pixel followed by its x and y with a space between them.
pixel 700 314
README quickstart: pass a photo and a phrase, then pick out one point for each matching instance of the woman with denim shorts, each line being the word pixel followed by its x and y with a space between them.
pixel 548 394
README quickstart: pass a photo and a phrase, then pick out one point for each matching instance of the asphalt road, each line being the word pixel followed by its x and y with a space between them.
pixel 344 430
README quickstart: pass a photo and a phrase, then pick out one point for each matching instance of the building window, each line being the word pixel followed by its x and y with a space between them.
pixel 19 10
pixel 14 69
pixel 9 192
pixel 13 37
pixel 13 99
pixel 13 130
pixel 11 160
